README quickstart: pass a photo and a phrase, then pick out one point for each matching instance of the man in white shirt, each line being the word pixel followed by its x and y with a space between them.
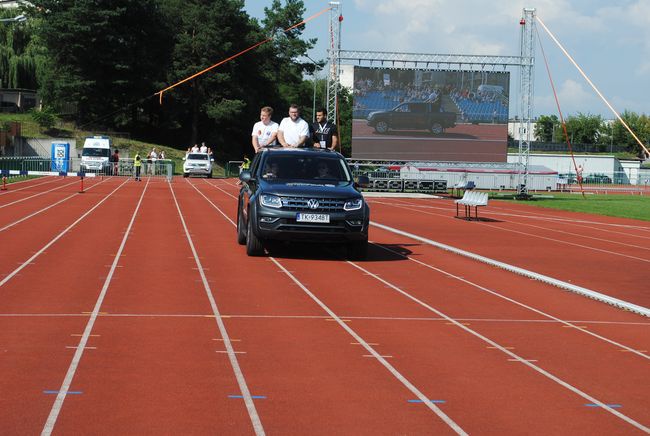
pixel 293 130
pixel 264 131
pixel 204 148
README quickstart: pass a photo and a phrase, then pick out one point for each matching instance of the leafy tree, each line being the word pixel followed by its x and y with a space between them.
pixel 545 127
pixel 584 128
pixel 640 125
pixel 18 55
pixel 101 54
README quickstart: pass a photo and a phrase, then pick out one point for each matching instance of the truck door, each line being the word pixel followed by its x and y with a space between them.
pixel 401 117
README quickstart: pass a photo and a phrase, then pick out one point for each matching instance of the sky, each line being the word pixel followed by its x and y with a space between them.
pixel 609 40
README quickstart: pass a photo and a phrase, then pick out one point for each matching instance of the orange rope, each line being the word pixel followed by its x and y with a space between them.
pixel 237 55
pixel 557 102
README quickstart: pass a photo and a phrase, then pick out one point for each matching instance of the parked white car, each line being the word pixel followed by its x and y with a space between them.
pixel 198 164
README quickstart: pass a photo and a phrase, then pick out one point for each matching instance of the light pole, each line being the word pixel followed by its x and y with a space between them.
pixel 314 79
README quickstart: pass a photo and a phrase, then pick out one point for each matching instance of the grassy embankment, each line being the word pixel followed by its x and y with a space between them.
pixel 127 147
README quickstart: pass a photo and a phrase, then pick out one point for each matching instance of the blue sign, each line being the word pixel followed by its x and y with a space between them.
pixel 60 156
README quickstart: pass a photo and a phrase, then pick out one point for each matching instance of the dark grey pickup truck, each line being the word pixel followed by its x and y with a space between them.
pixel 413 116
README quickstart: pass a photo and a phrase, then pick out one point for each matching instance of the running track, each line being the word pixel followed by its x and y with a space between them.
pixel 130 309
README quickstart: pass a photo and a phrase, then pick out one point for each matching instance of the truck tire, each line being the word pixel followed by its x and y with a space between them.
pixel 186 174
pixel 241 234
pixel 254 245
pixel 437 129
pixel 381 127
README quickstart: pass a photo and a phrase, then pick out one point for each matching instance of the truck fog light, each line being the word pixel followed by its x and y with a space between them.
pixel 268 219
pixel 355 222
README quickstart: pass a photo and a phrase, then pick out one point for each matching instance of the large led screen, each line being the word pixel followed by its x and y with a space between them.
pixel 441 115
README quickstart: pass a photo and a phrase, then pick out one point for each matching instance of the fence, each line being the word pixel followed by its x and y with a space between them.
pixel 395 178
pixel 124 168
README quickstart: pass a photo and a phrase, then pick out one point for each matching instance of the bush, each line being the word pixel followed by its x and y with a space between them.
pixel 45 118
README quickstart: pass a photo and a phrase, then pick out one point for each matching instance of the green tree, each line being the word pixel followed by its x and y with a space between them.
pixel 640 125
pixel 545 128
pixel 18 53
pixel 584 128
pixel 102 56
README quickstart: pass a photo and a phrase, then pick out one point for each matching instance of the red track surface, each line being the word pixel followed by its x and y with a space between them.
pixel 317 345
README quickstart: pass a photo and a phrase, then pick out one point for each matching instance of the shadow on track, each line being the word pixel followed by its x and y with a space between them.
pixel 337 253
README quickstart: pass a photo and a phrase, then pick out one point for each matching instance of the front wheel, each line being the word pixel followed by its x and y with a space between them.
pixel 186 174
pixel 241 233
pixel 381 127
pixel 437 129
pixel 254 246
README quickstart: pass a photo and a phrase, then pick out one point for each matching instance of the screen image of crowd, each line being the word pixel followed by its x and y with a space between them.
pixel 475 96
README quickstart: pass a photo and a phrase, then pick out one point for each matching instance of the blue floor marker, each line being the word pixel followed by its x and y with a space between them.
pixel 613 406
pixel 433 401
pixel 255 397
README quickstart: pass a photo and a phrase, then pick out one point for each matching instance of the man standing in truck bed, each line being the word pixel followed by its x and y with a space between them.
pixel 324 132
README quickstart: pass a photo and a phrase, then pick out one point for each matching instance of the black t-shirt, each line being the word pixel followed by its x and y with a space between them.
pixel 323 132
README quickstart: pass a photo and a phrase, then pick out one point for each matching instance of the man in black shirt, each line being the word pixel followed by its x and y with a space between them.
pixel 323 132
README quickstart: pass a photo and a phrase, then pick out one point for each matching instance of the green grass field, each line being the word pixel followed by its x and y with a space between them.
pixel 623 206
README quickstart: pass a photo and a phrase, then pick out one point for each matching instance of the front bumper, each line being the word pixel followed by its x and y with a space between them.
pixel 282 225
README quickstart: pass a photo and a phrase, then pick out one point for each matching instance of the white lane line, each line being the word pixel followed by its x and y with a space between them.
pixel 67 381
pixel 217 187
pixel 239 375
pixel 518 303
pixel 550 229
pixel 524 272
pixel 36 195
pixel 56 238
pixel 532 235
pixel 27 187
pixel 48 207
pixel 319 317
pixel 410 386
pixel 358 338
pixel 503 349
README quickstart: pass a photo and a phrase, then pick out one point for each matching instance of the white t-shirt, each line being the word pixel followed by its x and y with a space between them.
pixel 264 132
pixel 294 130
pixel 203 149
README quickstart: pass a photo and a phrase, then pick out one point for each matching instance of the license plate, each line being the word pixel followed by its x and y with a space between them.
pixel 313 218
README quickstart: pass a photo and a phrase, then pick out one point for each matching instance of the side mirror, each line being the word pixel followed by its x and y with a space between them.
pixel 245 176
pixel 211 160
pixel 363 182
pixel 184 158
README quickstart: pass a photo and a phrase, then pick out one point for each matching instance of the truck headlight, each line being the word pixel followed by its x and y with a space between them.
pixel 271 201
pixel 355 204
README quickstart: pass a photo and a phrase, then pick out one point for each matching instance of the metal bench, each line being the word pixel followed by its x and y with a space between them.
pixel 471 199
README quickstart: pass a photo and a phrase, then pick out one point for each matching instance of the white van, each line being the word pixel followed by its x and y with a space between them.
pixel 96 154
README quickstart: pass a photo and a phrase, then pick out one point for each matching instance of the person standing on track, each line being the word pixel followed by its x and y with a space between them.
pixel 116 161
pixel 137 164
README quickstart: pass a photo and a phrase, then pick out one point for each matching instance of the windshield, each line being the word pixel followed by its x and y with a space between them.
pixel 312 168
pixel 197 156
pixel 96 152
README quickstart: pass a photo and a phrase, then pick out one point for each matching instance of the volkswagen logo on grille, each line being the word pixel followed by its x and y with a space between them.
pixel 312 203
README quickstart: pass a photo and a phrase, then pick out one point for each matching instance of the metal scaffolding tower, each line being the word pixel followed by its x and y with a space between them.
pixel 526 88
pixel 334 50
